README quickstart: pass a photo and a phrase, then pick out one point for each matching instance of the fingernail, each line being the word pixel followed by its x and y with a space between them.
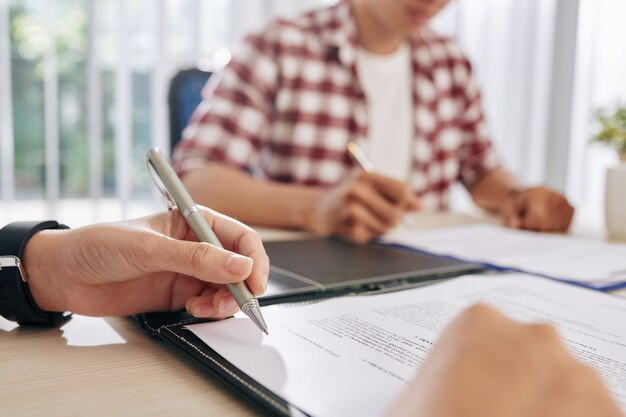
pixel 237 264
pixel 227 304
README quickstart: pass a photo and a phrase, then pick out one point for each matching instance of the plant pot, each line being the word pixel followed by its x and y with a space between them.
pixel 622 156
pixel 615 201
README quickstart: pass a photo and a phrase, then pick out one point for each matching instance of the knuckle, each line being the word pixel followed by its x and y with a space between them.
pixel 352 192
pixel 359 177
pixel 396 214
pixel 258 243
pixel 544 333
pixel 265 262
pixel 254 235
pixel 325 231
pixel 363 175
pixel 352 211
pixel 407 195
pixel 358 234
pixel 200 258
pixel 362 237
pixel 354 230
pixel 478 312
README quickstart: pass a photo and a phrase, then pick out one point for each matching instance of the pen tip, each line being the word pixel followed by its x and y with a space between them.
pixel 253 311
pixel 260 323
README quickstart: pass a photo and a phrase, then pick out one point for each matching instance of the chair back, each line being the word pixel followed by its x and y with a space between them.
pixel 184 95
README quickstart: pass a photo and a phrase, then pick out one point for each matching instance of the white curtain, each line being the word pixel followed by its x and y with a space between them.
pixel 544 67
pixel 510 44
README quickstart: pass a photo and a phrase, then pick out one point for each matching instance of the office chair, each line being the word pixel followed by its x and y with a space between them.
pixel 184 95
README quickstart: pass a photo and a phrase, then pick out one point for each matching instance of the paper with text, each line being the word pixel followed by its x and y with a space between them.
pixel 594 263
pixel 352 356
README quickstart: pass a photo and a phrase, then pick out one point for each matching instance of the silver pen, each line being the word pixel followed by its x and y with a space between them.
pixel 177 195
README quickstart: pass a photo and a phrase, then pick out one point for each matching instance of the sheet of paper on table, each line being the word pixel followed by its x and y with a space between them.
pixel 353 355
pixel 593 263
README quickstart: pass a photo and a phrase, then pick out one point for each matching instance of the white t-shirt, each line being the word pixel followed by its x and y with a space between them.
pixel 386 82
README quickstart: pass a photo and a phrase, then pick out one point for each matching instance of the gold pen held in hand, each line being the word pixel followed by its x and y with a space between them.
pixel 177 195
pixel 358 156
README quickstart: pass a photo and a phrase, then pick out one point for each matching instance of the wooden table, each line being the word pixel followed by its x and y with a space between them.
pixel 96 366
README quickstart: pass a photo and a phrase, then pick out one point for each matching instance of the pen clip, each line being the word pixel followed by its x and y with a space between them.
pixel 157 181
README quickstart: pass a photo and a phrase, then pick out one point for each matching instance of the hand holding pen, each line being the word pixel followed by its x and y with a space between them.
pixel 359 157
pixel 176 195
pixel 363 206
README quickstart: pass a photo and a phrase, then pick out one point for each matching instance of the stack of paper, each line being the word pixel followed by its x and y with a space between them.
pixel 595 264
pixel 353 356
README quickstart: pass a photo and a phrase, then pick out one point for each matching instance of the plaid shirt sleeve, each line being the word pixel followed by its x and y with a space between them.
pixel 477 155
pixel 232 122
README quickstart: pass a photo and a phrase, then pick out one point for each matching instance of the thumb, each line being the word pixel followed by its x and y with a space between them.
pixel 204 261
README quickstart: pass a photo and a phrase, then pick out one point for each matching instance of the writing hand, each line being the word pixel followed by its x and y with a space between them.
pixel 365 205
pixel 149 264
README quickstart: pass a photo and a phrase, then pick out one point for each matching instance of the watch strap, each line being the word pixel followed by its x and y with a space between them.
pixel 16 300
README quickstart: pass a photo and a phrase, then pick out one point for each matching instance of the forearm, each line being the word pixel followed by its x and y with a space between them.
pixel 492 191
pixel 237 194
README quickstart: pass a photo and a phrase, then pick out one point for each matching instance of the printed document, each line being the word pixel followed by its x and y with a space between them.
pixel 352 356
pixel 594 263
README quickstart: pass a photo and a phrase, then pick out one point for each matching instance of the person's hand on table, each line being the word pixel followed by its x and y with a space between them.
pixel 539 209
pixel 486 365
pixel 149 264
pixel 362 207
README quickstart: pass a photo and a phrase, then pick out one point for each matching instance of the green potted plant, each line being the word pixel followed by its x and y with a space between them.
pixel 612 132
pixel 612 129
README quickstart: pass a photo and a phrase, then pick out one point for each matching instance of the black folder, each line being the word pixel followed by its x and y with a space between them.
pixel 306 270
pixel 322 268
pixel 171 328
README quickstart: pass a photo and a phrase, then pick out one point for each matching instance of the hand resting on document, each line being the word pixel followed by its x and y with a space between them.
pixel 486 365
pixel 538 208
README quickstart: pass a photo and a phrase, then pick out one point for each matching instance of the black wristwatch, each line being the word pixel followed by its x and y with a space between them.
pixel 16 301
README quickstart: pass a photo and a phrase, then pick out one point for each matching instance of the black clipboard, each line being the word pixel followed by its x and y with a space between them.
pixel 170 327
pixel 332 268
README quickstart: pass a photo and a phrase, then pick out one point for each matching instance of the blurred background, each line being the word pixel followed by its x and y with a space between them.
pixel 84 83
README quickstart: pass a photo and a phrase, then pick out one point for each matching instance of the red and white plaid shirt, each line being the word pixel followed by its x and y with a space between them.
pixel 290 101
